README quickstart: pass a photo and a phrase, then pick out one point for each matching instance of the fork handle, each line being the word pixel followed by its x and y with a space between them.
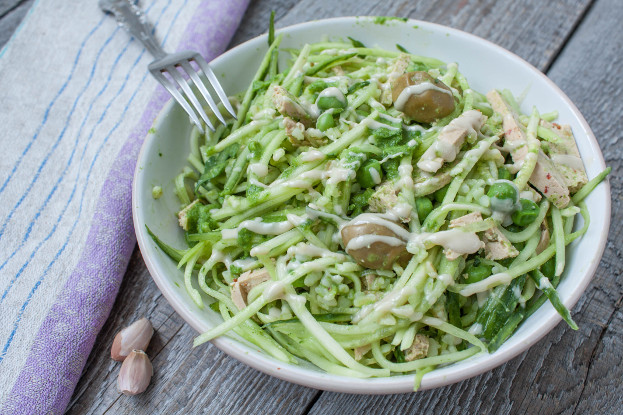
pixel 131 18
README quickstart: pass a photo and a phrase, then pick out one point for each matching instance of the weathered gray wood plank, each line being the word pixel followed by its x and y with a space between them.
pixel 533 30
pixel 11 14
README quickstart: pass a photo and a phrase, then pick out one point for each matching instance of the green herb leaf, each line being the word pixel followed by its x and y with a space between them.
pixel 215 164
pixel 356 43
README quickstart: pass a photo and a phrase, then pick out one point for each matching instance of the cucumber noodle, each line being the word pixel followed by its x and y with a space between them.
pixel 269 196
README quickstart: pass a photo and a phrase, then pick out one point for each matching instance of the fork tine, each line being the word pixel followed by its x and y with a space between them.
pixel 215 83
pixel 189 94
pixel 206 95
pixel 164 81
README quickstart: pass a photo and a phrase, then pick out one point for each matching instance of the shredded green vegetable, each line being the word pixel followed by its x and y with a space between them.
pixel 370 220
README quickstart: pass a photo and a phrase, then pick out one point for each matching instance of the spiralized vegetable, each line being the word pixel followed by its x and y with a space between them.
pixel 321 149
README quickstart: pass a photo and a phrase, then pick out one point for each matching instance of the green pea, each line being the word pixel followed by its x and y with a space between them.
pixel 424 207
pixel 476 270
pixel 503 190
pixel 549 268
pixel 441 193
pixel 324 103
pixel 369 174
pixel 503 173
pixel 526 214
pixel 325 121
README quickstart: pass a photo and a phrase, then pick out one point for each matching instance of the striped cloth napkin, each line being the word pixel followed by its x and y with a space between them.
pixel 73 86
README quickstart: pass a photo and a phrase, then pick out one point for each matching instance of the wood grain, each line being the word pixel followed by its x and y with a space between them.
pixel 11 14
pixel 567 372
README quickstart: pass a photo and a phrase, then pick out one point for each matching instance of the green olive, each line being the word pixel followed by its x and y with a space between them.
pixel 526 214
pixel 376 254
pixel 427 106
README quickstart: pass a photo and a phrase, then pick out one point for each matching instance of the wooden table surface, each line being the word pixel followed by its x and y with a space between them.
pixel 579 45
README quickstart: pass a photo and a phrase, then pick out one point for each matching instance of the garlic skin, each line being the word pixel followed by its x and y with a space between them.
pixel 136 336
pixel 135 374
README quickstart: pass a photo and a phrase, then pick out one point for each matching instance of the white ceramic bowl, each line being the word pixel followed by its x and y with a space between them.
pixel 486 66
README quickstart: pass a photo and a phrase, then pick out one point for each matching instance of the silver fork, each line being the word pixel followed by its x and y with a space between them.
pixel 131 18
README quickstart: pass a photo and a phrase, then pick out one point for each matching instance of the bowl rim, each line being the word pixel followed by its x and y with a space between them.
pixel 252 356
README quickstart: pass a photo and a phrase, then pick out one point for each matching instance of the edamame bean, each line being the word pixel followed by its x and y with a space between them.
pixel 324 103
pixel 370 174
pixel 424 207
pixel 476 271
pixel 503 190
pixel 441 193
pixel 325 121
pixel 526 214
pixel 503 173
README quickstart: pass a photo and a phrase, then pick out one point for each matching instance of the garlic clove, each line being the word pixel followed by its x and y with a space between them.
pixel 135 336
pixel 135 374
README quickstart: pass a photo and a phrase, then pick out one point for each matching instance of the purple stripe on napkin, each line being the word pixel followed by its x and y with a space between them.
pixel 62 346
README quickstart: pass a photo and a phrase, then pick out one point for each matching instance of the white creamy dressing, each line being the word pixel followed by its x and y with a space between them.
pixel 365 241
pixel 401 210
pixel 544 283
pixel 414 127
pixel 489 282
pixel 335 174
pixel 517 291
pixel 311 251
pixel 229 233
pixel 245 264
pixel 481 298
pixel 391 300
pixel 384 220
pixel 332 92
pixel 295 298
pixel 259 250
pixel 375 125
pixel 274 290
pixel 312 155
pixel 418 89
pixel 278 154
pixel 446 148
pixel 259 169
pixel 405 172
pixel 375 175
pixel 265 113
pixel 502 205
pixel 471 156
pixel 475 329
pixel 568 160
pixel 271 228
pixel 446 279
pixel 220 256
pixel 390 156
pixel 527 194
pixel 389 118
pixel 265 228
pixel 253 180
pixel 455 240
